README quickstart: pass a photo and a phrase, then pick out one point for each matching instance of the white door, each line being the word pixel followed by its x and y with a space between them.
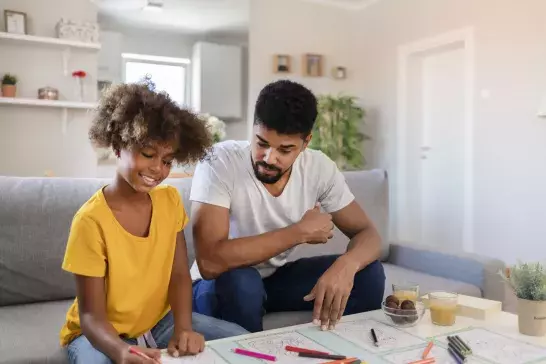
pixel 442 148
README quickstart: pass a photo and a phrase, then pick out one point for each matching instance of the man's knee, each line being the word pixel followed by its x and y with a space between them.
pixel 241 285
pixel 369 287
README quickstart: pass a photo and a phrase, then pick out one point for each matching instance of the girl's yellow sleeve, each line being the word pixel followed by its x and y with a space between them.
pixel 85 251
pixel 181 215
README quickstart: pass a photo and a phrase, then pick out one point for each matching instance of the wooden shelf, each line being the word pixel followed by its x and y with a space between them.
pixel 47 103
pixel 46 41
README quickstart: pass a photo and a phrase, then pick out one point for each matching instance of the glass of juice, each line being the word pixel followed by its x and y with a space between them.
pixel 406 291
pixel 443 308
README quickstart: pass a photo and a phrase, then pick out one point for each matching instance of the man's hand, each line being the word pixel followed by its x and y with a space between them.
pixel 126 357
pixel 186 343
pixel 332 292
pixel 316 227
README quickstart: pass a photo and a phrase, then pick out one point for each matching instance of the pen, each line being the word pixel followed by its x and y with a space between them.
pixel 455 356
pixel 296 349
pixel 374 336
pixel 457 352
pixel 456 344
pixel 463 344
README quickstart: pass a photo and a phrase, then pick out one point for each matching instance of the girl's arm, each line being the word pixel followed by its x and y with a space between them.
pixel 184 340
pixel 95 325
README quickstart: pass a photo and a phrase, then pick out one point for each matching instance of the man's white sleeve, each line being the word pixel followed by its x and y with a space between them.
pixel 212 183
pixel 335 193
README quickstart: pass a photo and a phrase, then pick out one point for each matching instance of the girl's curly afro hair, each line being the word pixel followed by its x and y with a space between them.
pixel 131 115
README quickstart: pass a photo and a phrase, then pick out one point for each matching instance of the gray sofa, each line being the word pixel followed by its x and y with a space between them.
pixel 35 216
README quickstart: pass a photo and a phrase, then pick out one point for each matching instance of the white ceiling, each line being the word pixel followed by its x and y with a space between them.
pixel 195 16
pixel 185 16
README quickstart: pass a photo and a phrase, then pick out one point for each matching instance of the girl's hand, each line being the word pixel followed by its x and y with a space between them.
pixel 127 357
pixel 186 343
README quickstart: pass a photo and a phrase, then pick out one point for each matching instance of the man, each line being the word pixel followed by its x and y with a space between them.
pixel 253 203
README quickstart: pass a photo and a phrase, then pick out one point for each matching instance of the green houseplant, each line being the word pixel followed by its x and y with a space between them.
pixel 9 85
pixel 528 281
pixel 337 131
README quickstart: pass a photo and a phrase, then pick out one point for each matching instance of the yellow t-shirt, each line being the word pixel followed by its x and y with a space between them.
pixel 137 270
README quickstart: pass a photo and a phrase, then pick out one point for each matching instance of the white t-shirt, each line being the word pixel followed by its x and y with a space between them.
pixel 228 180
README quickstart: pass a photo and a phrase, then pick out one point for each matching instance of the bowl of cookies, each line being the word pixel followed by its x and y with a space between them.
pixel 403 313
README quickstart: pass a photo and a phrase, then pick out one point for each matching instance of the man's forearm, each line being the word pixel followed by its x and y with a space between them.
pixel 248 251
pixel 180 299
pixel 364 248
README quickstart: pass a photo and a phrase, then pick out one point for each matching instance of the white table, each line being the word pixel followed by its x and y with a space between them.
pixel 503 323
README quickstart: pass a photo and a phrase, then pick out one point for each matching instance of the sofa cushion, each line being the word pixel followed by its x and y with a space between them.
pixel 29 334
pixel 427 283
pixel 35 218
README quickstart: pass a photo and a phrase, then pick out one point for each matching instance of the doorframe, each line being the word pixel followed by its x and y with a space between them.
pixel 405 51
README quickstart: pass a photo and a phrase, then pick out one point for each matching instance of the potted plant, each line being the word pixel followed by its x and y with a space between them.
pixel 528 281
pixel 9 85
pixel 337 131
pixel 216 126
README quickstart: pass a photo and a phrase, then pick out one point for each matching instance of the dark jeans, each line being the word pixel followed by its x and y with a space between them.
pixel 241 296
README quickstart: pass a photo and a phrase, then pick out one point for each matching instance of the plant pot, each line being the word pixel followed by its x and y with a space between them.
pixel 9 90
pixel 532 317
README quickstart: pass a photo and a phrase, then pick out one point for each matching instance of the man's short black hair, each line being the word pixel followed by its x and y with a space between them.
pixel 286 107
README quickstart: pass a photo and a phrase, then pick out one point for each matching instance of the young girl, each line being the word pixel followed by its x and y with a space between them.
pixel 126 246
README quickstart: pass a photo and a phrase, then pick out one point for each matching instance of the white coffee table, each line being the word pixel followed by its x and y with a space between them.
pixel 502 323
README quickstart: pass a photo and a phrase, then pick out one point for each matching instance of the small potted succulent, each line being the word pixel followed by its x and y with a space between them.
pixel 528 281
pixel 9 85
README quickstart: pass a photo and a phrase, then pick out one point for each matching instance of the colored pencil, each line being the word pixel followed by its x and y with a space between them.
pixel 296 349
pixel 427 350
pixel 456 350
pixel 424 361
pixel 254 354
pixel 132 350
pixel 456 344
pixel 465 345
pixel 344 361
pixel 454 355
pixel 322 356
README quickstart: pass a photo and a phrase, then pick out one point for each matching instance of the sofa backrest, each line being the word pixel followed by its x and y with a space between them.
pixel 36 213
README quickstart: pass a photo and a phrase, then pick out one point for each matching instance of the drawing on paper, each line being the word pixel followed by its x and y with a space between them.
pixel 498 348
pixel 275 344
pixel 359 332
pixel 208 356
pixel 440 355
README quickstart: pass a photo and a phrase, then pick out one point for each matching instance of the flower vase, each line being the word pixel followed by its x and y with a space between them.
pixel 78 89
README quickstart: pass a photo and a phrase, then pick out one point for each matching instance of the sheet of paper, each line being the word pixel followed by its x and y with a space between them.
pixel 275 345
pixel 440 354
pixel 359 332
pixel 498 348
pixel 208 356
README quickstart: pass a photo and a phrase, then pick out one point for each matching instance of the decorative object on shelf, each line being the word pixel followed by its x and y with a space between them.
pixel 79 76
pixel 16 22
pixel 337 131
pixel 87 32
pixel 528 281
pixel 281 63
pixel 339 73
pixel 312 65
pixel 48 93
pixel 9 85
pixel 216 126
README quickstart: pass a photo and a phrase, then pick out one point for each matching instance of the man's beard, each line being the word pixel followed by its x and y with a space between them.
pixel 266 178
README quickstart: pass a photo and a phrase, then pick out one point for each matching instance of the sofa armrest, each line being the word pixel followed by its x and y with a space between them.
pixel 474 269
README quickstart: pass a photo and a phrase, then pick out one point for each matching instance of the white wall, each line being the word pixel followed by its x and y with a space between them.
pixel 295 28
pixel 31 141
pixel 118 40
pixel 509 140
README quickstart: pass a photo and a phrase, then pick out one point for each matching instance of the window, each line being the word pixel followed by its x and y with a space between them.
pixel 168 74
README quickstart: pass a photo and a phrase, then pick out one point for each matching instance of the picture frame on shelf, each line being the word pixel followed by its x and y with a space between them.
pixel 312 65
pixel 15 22
pixel 282 63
